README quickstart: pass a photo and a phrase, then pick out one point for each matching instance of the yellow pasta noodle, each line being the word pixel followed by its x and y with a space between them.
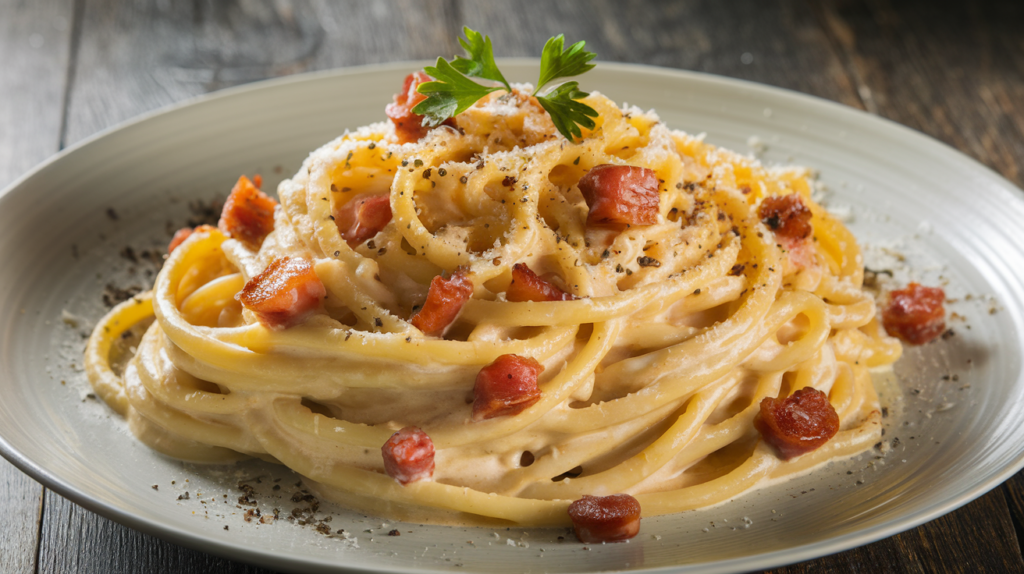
pixel 653 373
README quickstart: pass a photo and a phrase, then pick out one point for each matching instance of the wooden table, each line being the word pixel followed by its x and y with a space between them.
pixel 953 70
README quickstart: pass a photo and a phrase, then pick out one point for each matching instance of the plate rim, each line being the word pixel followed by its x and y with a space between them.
pixel 260 557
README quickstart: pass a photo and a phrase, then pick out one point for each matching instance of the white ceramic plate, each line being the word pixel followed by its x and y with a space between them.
pixel 956 411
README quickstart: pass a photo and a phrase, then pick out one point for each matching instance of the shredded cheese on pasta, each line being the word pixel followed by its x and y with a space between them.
pixel 653 373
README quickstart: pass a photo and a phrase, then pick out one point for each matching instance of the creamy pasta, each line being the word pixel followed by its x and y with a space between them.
pixel 654 363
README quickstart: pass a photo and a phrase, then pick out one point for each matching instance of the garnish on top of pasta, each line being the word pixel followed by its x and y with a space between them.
pixel 484 322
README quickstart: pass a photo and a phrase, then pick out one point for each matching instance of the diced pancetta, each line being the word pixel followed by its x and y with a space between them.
pixel 248 214
pixel 409 455
pixel 506 387
pixel 284 294
pixel 445 299
pixel 620 194
pixel 528 286
pixel 786 215
pixel 363 217
pixel 612 518
pixel 409 126
pixel 916 314
pixel 797 424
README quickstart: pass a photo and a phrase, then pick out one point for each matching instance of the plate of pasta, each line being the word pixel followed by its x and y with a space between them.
pixel 487 341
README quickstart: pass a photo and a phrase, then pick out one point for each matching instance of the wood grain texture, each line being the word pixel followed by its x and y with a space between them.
pixel 19 530
pixel 136 56
pixel 776 43
pixel 35 41
pixel 979 537
pixel 953 70
pixel 34 47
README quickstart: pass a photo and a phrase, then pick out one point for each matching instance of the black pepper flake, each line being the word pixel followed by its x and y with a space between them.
pixel 696 291
pixel 112 214
pixel 337 253
pixel 331 217
pixel 394 533
pixel 372 145
pixel 606 254
pixel 463 179
pixel 183 496
pixel 156 487
pixel 645 261
pixel 509 181
pixel 576 161
pixel 417 163
pixel 618 268
pixel 629 271
pixel 442 172
pixel 344 189
pixel 370 244
pixel 225 527
pixel 426 173
pixel 737 269
pixel 378 322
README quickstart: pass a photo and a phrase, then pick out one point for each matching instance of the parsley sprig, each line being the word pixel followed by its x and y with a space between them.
pixel 453 92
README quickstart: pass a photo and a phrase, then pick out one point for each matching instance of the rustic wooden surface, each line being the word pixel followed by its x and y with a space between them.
pixel 69 68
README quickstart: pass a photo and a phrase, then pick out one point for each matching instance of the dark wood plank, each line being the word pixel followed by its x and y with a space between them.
pixel 20 499
pixel 953 70
pixel 35 41
pixel 777 43
pixel 979 537
pixel 34 45
pixel 136 56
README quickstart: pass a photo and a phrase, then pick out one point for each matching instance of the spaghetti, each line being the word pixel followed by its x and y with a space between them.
pixel 649 370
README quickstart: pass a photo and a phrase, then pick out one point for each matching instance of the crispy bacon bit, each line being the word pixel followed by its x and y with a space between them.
pixel 528 286
pixel 409 455
pixel 786 216
pixel 605 518
pixel 445 299
pixel 915 313
pixel 506 387
pixel 362 217
pixel 248 214
pixel 409 126
pixel 184 233
pixel 620 194
pixel 284 294
pixel 797 424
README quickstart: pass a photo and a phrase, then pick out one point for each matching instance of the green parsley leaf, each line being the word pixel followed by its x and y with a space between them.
pixel 481 58
pixel 566 113
pixel 449 95
pixel 453 92
pixel 556 63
